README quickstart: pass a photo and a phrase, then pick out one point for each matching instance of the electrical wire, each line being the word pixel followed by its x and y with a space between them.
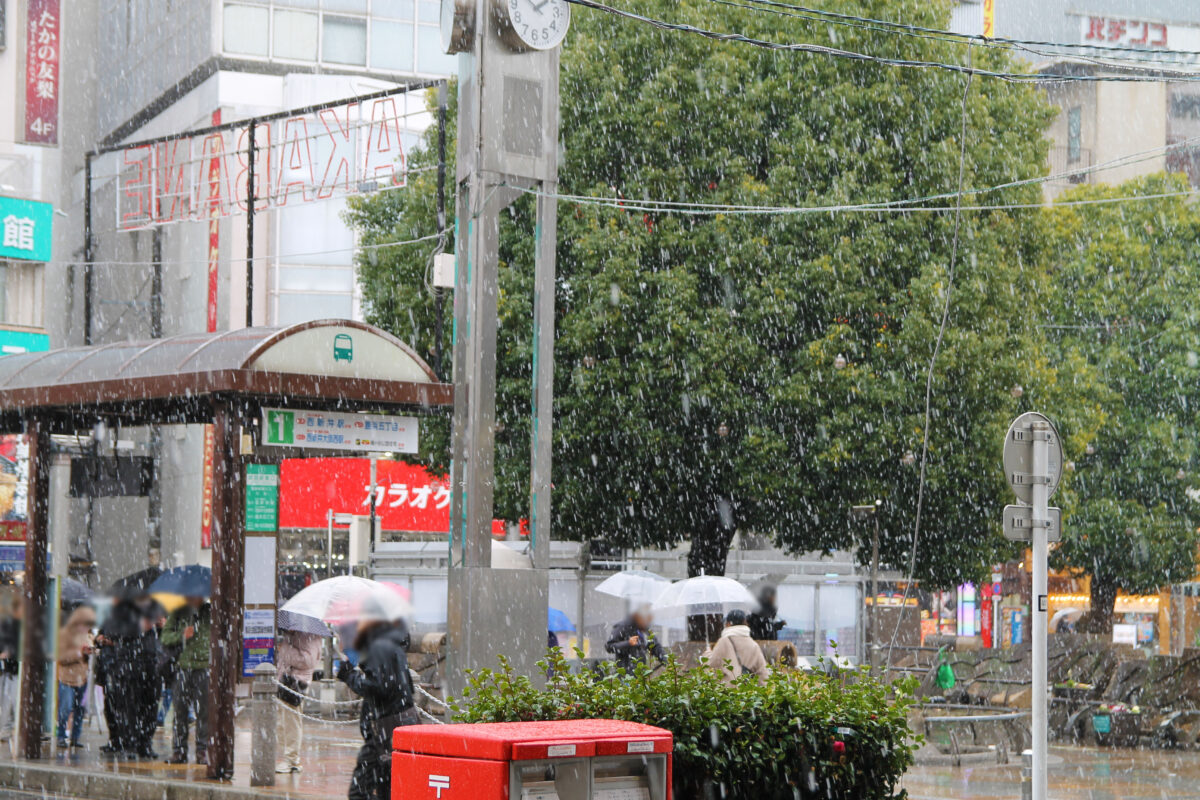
pixel 808 47
pixel 937 349
pixel 243 259
pixel 877 208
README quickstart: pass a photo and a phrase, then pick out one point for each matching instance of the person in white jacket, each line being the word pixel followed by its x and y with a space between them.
pixel 296 657
pixel 735 653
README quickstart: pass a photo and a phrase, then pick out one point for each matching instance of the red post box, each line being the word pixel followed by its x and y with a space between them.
pixel 588 759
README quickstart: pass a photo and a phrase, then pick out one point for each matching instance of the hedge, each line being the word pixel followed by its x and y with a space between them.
pixel 801 734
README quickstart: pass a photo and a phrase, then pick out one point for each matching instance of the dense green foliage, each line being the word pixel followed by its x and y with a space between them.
pixel 673 327
pixel 798 735
pixel 1126 307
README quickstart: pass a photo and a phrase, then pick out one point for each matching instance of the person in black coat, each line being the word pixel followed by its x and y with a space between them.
pixel 633 641
pixel 763 625
pixel 128 658
pixel 383 682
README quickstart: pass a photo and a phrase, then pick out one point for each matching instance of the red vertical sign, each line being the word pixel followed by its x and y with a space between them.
pixel 985 616
pixel 214 265
pixel 41 71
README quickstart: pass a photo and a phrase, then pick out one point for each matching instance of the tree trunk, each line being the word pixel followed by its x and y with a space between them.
pixel 710 549
pixel 1100 616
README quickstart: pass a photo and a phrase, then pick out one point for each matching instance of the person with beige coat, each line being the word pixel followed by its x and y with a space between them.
pixel 74 651
pixel 296 657
pixel 735 653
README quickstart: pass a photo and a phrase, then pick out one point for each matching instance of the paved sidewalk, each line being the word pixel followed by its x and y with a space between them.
pixel 327 758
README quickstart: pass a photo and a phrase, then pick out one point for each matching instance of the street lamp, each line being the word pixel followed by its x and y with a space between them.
pixel 1090 450
pixel 1181 475
pixel 589 361
pixel 1016 391
pixel 839 362
pixel 722 430
pixel 909 458
pixel 863 513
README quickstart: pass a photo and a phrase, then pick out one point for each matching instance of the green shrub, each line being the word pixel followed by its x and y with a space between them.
pixel 798 735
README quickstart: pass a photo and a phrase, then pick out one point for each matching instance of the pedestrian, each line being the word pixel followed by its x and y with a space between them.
pixel 763 625
pixel 296 655
pixel 189 629
pixel 633 642
pixel 74 652
pixel 382 680
pixel 736 653
pixel 10 647
pixel 128 647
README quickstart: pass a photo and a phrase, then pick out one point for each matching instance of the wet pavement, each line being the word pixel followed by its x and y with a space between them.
pixel 1076 773
pixel 327 759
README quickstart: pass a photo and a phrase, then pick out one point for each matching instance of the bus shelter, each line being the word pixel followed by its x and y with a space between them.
pixel 229 380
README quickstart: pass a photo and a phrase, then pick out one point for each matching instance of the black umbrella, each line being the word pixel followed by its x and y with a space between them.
pixel 74 593
pixel 135 584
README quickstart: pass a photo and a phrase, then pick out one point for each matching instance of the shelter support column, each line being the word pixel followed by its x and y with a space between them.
pixel 228 553
pixel 33 629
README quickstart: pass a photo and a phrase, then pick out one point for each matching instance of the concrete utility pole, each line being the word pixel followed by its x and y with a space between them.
pixel 507 144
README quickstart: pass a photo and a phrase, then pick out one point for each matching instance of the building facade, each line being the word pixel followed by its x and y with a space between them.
pixel 133 70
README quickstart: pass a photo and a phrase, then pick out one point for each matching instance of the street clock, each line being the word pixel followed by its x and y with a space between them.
pixel 534 24
pixel 521 24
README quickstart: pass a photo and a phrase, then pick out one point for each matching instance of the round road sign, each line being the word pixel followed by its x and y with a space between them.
pixel 1018 456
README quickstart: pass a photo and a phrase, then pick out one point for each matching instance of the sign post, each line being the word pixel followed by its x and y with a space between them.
pixel 1033 464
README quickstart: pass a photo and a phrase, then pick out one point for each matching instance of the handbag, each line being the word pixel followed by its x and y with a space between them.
pixel 291 691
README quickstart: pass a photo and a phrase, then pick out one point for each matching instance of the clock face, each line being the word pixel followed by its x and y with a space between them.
pixel 540 24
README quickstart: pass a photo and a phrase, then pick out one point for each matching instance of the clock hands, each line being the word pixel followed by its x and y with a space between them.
pixel 537 7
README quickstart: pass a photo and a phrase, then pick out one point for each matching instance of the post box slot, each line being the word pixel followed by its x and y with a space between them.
pixel 635 777
pixel 550 779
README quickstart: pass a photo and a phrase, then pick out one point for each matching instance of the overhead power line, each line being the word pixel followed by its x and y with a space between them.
pixel 808 47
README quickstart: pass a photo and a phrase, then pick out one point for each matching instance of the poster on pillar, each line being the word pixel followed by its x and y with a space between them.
pixel 258 639
pixel 262 498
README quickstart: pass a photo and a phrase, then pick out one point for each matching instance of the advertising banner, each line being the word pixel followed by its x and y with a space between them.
pixel 42 30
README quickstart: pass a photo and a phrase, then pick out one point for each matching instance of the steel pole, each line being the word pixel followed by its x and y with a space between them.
pixel 1041 513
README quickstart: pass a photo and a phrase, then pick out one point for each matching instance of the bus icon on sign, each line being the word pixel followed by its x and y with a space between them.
pixel 343 348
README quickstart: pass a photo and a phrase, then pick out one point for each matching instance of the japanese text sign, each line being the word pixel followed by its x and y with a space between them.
pixel 331 431
pixel 262 497
pixel 42 39
pixel 1102 31
pixel 26 227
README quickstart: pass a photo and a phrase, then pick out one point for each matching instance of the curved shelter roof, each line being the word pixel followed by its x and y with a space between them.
pixel 327 364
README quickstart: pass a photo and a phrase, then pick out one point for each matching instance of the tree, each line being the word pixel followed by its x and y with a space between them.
pixel 698 387
pixel 1126 303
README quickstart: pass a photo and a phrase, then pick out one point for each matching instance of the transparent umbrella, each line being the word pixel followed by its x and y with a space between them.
pixel 347 598
pixel 635 585
pixel 705 594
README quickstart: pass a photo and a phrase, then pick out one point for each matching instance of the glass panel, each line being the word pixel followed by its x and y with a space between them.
pixel 297 308
pixel 429 604
pixel 345 40
pixel 839 619
pixel 295 35
pixel 392 45
pixel 246 30
pixel 430 57
pixel 428 11
pixel 395 9
pixel 349 6
pixel 316 279
pixel 796 608
pixel 299 3
pixel 314 234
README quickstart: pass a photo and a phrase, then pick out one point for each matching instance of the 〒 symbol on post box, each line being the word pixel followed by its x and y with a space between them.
pixel 439 782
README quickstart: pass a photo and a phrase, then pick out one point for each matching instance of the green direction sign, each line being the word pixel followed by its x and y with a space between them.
pixel 25 227
pixel 262 497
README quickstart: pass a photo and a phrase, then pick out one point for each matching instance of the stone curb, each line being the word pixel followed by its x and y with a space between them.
pixel 64 781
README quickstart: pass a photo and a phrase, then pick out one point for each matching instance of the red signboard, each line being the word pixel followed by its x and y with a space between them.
pixel 41 71
pixel 407 497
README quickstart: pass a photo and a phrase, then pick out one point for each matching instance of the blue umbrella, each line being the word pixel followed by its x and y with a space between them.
pixel 192 580
pixel 558 621
pixel 301 623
